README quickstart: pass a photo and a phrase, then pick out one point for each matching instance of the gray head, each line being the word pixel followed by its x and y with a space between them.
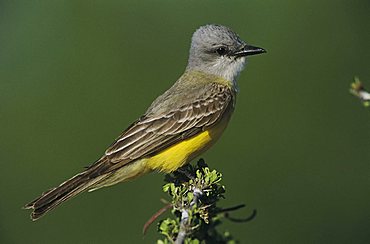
pixel 217 50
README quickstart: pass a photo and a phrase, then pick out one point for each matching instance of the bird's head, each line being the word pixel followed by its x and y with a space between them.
pixel 218 50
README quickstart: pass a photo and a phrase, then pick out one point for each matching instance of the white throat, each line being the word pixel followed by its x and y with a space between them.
pixel 227 68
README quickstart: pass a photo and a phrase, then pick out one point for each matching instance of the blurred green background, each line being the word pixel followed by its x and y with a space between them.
pixel 74 74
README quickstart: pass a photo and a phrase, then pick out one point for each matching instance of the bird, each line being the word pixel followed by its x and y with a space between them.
pixel 178 126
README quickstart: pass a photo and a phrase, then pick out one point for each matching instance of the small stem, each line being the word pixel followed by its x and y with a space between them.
pixel 359 91
pixel 185 217
pixel 231 208
pixel 155 216
pixel 240 220
pixel 196 193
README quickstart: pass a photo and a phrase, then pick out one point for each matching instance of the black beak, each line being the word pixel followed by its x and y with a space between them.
pixel 249 50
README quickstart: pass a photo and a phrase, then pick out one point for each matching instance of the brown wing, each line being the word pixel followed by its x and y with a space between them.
pixel 151 134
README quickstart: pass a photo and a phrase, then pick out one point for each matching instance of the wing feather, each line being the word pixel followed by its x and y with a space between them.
pixel 153 133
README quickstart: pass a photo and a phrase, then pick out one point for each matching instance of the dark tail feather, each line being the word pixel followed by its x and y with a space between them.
pixel 68 189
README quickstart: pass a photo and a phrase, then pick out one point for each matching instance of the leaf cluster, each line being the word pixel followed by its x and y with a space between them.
pixel 196 190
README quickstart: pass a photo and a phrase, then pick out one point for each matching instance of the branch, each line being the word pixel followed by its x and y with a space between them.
pixel 358 90
pixel 195 192
pixel 185 212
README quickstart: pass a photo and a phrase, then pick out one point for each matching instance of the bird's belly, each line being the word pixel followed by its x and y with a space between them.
pixel 177 155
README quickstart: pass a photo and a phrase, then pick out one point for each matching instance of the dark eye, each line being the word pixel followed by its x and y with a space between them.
pixel 221 51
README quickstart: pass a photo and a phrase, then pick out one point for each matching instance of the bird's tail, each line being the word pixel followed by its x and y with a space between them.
pixel 68 189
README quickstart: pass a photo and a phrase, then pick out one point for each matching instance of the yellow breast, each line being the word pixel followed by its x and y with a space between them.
pixel 177 155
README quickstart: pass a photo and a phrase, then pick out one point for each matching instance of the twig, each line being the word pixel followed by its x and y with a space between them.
pixel 155 216
pixel 240 220
pixel 358 90
pixel 231 208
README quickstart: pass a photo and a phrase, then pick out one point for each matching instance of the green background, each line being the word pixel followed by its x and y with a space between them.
pixel 74 74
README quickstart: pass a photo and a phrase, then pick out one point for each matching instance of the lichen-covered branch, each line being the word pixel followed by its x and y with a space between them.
pixel 195 190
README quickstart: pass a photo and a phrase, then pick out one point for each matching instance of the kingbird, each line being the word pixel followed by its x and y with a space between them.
pixel 180 124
